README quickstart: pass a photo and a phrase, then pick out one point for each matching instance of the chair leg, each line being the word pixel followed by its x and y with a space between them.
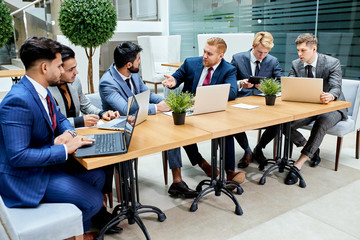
pixel 338 148
pixel 291 149
pixel 165 166
pixel 275 146
pixel 117 184
pixel 259 135
pixel 357 144
pixel 155 87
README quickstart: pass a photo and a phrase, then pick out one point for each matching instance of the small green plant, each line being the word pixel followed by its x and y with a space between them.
pixel 179 101
pixel 270 87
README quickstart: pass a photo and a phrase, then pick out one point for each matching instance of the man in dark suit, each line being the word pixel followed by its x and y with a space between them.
pixel 255 62
pixel 36 140
pixel 210 69
pixel 313 64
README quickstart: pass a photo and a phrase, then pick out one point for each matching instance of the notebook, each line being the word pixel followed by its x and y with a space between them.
pixel 115 142
pixel 118 123
pixel 211 98
pixel 299 89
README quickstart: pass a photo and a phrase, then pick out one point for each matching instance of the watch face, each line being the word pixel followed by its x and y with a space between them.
pixel 72 132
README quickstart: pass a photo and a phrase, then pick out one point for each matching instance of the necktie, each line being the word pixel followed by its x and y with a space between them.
pixel 128 82
pixel 257 69
pixel 208 77
pixel 51 112
pixel 309 71
pixel 65 91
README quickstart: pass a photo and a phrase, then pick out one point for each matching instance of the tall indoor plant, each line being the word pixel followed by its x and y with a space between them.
pixel 179 102
pixel 270 87
pixel 88 23
pixel 6 28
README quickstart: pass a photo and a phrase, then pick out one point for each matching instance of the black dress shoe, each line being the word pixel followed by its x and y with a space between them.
pixel 258 156
pixel 315 160
pixel 182 189
pixel 102 218
pixel 291 178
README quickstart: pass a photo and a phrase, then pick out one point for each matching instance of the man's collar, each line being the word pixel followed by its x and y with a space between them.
pixel 38 87
pixel 313 64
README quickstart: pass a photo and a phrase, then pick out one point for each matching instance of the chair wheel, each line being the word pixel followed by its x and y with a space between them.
pixel 262 181
pixel 261 167
pixel 238 210
pixel 161 217
pixel 198 188
pixel 239 190
pixel 302 183
pixel 193 207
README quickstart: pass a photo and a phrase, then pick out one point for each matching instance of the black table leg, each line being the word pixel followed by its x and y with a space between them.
pixel 218 184
pixel 282 163
pixel 130 207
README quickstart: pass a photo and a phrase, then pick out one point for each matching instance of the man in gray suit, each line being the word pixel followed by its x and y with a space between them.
pixel 313 64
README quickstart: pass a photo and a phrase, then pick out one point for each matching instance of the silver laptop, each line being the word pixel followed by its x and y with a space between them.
pixel 119 123
pixel 299 89
pixel 211 98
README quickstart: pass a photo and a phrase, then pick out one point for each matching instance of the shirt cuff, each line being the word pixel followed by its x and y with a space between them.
pixel 155 107
pixel 66 151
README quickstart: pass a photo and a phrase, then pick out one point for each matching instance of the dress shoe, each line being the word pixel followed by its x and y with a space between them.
pixel 245 160
pixel 206 167
pixel 291 178
pixel 258 156
pixel 238 177
pixel 102 218
pixel 315 160
pixel 90 235
pixel 181 188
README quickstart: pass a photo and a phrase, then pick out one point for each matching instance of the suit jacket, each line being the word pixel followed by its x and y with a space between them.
pixel 269 68
pixel 78 98
pixel 27 150
pixel 328 68
pixel 189 73
pixel 114 91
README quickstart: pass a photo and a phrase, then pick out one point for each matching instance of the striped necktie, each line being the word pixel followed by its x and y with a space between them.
pixel 51 112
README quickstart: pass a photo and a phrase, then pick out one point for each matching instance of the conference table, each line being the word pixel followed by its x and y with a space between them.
pixel 158 133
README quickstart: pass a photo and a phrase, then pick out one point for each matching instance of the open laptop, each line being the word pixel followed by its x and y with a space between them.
pixel 299 89
pixel 118 123
pixel 112 143
pixel 211 98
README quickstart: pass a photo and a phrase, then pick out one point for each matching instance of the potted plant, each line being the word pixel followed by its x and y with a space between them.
pixel 6 28
pixel 178 102
pixel 270 87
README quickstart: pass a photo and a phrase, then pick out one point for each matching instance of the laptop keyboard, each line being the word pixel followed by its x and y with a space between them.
pixel 105 142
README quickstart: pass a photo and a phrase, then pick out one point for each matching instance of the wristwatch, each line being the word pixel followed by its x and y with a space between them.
pixel 72 132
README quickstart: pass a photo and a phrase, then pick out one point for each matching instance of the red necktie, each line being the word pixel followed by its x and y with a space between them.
pixel 208 77
pixel 51 112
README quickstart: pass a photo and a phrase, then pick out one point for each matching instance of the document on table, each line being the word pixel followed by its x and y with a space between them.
pixel 244 106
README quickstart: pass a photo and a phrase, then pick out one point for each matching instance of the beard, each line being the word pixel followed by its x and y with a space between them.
pixel 133 70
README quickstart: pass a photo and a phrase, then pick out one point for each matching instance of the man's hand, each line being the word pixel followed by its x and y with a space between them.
pixel 90 120
pixel 246 84
pixel 63 138
pixel 108 115
pixel 169 82
pixel 162 106
pixel 326 97
pixel 78 142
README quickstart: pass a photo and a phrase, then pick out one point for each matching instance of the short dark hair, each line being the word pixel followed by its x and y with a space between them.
pixel 126 52
pixel 67 53
pixel 308 38
pixel 35 48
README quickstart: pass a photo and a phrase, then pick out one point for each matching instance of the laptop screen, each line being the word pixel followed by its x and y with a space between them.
pixel 132 113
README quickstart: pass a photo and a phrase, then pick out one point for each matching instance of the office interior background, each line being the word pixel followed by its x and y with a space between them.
pixel 336 23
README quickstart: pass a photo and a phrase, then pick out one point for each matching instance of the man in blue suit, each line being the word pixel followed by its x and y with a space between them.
pixel 210 69
pixel 255 62
pixel 36 140
pixel 122 80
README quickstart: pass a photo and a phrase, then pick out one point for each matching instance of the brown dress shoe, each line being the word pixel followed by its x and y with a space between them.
pixel 206 167
pixel 238 177
pixel 245 160
pixel 90 235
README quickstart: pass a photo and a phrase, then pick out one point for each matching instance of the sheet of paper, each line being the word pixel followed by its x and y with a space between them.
pixel 244 106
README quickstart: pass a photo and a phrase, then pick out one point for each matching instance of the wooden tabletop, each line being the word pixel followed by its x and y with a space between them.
pixel 12 73
pixel 158 133
pixel 176 64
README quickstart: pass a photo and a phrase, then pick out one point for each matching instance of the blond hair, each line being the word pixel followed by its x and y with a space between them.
pixel 307 38
pixel 218 42
pixel 265 39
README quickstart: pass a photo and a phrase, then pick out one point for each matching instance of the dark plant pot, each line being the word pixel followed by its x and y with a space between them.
pixel 270 100
pixel 179 118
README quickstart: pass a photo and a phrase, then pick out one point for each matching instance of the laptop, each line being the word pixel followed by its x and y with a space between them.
pixel 299 89
pixel 211 98
pixel 112 143
pixel 118 123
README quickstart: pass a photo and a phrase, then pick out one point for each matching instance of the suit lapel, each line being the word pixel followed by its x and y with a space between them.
pixel 247 63
pixel 320 65
pixel 75 98
pixel 217 73
pixel 198 70
pixel 301 69
pixel 117 78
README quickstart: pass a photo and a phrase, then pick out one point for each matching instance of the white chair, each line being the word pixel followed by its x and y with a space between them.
pixel 156 51
pixel 236 42
pixel 47 221
pixel 351 90
pixel 95 99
